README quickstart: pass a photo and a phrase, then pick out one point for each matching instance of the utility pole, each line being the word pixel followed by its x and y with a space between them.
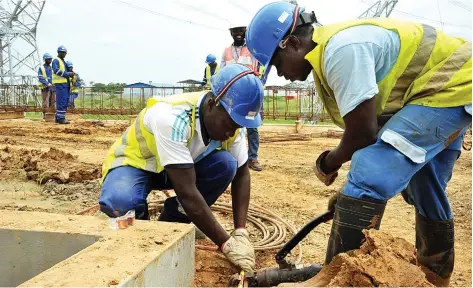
pixel 382 8
pixel 19 55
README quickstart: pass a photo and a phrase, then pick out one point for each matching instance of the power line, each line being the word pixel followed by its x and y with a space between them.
pixel 421 17
pixel 193 8
pixel 430 19
pixel 461 4
pixel 440 14
pixel 165 15
pixel 241 7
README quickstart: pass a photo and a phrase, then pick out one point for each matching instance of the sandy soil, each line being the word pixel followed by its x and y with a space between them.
pixel 47 167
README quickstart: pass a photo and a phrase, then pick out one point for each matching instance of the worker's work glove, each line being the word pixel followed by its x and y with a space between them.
pixel 49 84
pixel 240 252
pixel 329 178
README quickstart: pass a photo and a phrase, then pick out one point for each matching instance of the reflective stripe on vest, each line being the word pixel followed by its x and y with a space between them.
pixel 62 68
pixel 137 146
pixel 429 62
pixel 208 74
pixel 43 71
pixel 413 69
pixel 244 58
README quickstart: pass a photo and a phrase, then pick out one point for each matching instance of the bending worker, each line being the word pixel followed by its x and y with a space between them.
pixel 191 143
pixel 211 69
pixel 74 83
pixel 45 78
pixel 367 71
pixel 61 82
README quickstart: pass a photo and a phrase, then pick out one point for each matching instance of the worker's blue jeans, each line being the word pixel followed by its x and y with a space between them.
pixel 416 149
pixel 126 188
pixel 62 99
pixel 253 143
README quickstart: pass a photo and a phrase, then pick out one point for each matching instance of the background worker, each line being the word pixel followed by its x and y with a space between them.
pixel 174 143
pixel 413 74
pixel 45 77
pixel 74 83
pixel 61 81
pixel 239 53
pixel 211 69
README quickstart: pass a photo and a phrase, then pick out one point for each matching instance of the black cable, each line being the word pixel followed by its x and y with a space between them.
pixel 167 16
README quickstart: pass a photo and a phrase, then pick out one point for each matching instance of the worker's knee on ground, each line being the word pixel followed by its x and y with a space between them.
pixel 119 195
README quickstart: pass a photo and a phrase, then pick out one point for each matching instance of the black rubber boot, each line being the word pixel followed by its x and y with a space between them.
pixel 165 217
pixel 435 249
pixel 62 121
pixel 352 215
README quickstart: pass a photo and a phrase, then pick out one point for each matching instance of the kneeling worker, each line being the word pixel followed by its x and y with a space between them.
pixel 192 143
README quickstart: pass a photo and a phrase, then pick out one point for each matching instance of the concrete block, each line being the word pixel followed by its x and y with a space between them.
pixel 49 117
pixel 11 115
pixel 42 249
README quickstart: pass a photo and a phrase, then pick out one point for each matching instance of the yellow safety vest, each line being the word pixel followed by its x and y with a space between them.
pixel 59 79
pixel 433 69
pixel 43 71
pixel 74 89
pixel 208 74
pixel 137 146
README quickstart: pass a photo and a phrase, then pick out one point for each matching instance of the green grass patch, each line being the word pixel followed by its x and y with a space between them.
pixel 33 115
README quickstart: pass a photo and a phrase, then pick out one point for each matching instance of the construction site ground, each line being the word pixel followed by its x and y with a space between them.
pixel 52 168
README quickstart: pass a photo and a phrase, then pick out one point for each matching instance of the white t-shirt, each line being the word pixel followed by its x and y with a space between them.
pixel 356 60
pixel 171 128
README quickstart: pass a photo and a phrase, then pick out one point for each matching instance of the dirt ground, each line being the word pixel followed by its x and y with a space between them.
pixel 52 168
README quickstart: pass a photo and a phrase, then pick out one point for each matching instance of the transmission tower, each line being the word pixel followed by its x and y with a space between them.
pixel 19 56
pixel 382 8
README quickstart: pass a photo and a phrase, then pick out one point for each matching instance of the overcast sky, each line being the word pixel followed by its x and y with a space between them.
pixel 166 41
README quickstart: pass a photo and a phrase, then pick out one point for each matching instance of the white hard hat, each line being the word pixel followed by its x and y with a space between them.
pixel 241 22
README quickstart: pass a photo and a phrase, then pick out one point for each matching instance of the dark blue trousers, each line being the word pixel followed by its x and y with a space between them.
pixel 62 99
pixel 126 188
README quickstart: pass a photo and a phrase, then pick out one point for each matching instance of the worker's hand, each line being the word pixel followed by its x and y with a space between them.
pixel 49 84
pixel 326 178
pixel 262 115
pixel 240 252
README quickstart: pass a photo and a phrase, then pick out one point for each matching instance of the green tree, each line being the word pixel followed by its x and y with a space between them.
pixel 98 87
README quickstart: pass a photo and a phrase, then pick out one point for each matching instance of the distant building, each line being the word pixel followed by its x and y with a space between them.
pixel 140 89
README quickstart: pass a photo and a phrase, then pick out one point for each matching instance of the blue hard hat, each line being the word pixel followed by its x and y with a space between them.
pixel 47 56
pixel 267 29
pixel 61 48
pixel 69 64
pixel 240 92
pixel 210 58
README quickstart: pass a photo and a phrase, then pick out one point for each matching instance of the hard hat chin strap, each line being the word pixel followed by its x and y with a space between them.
pixel 297 20
pixel 227 86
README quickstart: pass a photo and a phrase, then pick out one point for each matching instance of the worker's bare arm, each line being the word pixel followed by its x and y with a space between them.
pixel 183 181
pixel 361 129
pixel 241 196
